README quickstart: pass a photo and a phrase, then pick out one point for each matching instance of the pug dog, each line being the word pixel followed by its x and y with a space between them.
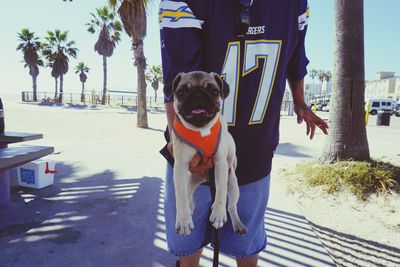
pixel 199 127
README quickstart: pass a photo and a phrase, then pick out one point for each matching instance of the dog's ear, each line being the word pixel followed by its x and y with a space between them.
pixel 223 86
pixel 176 81
pixel 169 88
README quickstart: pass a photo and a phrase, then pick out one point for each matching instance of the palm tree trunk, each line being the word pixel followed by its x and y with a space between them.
pixel 56 88
pixel 83 93
pixel 140 62
pixel 348 138
pixel 313 86
pixel 60 99
pixel 34 86
pixel 103 99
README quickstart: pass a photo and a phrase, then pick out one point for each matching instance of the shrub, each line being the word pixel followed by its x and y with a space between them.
pixel 360 178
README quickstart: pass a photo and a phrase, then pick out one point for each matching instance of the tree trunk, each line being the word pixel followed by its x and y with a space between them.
pixel 56 88
pixel 347 137
pixel 34 86
pixel 60 99
pixel 83 93
pixel 313 87
pixel 140 62
pixel 103 99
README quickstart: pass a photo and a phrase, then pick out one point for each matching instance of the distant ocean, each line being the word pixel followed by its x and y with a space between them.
pixel 10 97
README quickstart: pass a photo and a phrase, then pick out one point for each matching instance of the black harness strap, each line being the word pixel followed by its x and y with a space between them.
pixel 215 232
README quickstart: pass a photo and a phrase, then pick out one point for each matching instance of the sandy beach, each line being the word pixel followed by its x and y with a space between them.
pixel 94 144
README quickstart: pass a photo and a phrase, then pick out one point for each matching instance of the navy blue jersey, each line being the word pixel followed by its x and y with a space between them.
pixel 202 35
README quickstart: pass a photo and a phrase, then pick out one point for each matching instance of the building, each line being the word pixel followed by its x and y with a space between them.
pixel 386 85
pixel 326 88
pixel 312 90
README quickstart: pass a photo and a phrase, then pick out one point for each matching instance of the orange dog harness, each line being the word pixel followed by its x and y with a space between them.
pixel 206 146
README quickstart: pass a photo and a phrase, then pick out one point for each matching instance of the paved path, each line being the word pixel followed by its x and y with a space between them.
pixel 107 210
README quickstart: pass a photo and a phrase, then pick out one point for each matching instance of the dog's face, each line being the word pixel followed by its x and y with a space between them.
pixel 198 96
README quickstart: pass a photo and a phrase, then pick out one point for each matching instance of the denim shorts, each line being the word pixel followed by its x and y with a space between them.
pixel 251 209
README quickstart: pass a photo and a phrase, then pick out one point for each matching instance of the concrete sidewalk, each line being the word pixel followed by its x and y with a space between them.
pixel 291 240
pixel 106 205
pixel 102 220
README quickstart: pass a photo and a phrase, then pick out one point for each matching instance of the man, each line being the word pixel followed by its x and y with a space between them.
pixel 255 46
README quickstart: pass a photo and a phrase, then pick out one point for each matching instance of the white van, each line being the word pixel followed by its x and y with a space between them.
pixel 378 104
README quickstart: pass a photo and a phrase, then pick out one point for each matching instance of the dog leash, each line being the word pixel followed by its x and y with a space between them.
pixel 215 232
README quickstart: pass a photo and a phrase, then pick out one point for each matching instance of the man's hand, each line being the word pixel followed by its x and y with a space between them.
pixel 195 166
pixel 304 113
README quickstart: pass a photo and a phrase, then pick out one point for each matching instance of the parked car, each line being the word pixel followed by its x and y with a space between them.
pixel 397 110
pixel 320 106
pixel 326 107
pixel 384 104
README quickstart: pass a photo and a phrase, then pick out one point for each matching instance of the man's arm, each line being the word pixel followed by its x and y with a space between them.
pixel 295 74
pixel 304 113
pixel 297 88
pixel 181 51
pixel 169 108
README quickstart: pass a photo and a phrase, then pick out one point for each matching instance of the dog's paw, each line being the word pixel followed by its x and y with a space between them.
pixel 239 228
pixel 218 217
pixel 184 225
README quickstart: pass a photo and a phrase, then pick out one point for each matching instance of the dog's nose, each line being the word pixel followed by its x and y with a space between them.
pixel 200 95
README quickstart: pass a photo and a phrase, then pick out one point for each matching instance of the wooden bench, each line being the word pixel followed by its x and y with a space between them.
pixel 12 157
pixel 16 137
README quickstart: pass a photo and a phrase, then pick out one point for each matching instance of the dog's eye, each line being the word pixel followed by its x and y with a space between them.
pixel 212 90
pixel 180 93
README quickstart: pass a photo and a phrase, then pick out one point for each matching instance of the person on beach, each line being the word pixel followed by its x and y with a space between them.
pixel 255 46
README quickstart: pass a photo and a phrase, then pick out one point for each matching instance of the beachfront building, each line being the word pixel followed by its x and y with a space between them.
pixel 397 90
pixel 386 85
pixel 326 88
pixel 312 90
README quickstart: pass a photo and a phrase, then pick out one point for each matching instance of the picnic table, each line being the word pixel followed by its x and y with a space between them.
pixel 15 137
pixel 12 157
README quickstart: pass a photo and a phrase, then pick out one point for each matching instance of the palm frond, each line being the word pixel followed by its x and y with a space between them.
pixel 57 51
pixel 104 21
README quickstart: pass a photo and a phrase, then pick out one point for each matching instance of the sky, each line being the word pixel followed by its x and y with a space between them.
pixel 382 42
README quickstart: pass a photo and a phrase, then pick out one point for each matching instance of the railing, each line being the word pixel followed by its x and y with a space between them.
pixel 287 108
pixel 93 98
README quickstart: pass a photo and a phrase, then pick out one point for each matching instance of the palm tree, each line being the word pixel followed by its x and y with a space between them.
pixel 82 69
pixel 109 28
pixel 321 77
pixel 313 74
pixel 55 75
pixel 58 49
pixel 50 63
pixel 154 76
pixel 133 16
pixel 347 138
pixel 328 76
pixel 30 46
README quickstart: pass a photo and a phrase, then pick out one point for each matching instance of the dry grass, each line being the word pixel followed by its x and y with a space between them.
pixel 360 178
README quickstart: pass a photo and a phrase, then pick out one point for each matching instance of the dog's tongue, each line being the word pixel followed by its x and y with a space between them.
pixel 198 111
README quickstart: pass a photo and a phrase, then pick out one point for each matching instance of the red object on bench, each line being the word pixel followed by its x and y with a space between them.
pixel 47 171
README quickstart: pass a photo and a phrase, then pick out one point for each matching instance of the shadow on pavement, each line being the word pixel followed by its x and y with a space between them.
pixel 99 220
pixel 152 110
pixel 350 250
pixel 288 149
pixel 81 106
pixel 292 242
pixel 77 106
pixel 102 220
